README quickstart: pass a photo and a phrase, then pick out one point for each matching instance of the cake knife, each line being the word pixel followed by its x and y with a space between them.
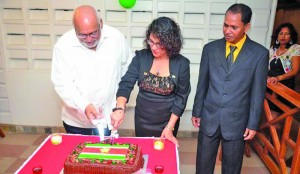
pixel 100 126
pixel 101 131
pixel 114 134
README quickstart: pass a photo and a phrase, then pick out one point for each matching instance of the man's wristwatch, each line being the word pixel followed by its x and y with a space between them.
pixel 118 108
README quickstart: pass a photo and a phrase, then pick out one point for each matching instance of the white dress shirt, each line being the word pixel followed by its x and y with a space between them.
pixel 82 76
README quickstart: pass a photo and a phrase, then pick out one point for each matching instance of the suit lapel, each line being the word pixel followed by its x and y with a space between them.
pixel 244 54
pixel 221 54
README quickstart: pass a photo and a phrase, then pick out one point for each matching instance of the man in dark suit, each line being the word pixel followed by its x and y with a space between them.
pixel 230 93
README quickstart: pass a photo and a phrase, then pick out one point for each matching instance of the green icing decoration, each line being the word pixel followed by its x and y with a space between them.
pixel 107 145
pixel 102 156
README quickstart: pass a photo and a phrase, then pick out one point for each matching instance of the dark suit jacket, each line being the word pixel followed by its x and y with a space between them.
pixel 232 100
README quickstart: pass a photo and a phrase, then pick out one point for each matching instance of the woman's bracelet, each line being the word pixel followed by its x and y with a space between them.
pixel 118 108
pixel 168 127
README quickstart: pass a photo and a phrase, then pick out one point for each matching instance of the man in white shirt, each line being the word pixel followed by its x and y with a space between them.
pixel 88 63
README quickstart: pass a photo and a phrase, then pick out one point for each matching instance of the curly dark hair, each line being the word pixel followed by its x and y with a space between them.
pixel 169 34
pixel 293 33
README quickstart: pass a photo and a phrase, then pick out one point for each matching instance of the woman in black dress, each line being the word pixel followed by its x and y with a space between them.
pixel 284 65
pixel 163 77
pixel 284 56
pixel 284 59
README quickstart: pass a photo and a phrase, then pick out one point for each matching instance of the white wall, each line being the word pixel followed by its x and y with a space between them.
pixel 30 28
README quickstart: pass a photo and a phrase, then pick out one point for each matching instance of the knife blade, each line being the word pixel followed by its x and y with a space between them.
pixel 101 131
pixel 114 134
pixel 100 126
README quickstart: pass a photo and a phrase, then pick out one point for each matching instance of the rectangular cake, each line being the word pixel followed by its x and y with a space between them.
pixel 103 158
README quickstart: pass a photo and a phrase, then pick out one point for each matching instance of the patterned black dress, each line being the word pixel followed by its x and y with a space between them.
pixel 154 103
pixel 282 64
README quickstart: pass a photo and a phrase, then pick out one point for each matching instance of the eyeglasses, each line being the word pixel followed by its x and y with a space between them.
pixel 151 43
pixel 92 34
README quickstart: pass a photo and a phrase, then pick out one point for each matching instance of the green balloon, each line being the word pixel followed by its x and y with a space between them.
pixel 127 3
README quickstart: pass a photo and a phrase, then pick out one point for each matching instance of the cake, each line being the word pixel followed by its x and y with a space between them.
pixel 104 158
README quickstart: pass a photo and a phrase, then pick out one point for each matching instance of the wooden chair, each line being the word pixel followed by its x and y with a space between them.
pixel 2 133
pixel 272 148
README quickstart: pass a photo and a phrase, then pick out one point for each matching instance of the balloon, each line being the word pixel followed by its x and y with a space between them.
pixel 127 3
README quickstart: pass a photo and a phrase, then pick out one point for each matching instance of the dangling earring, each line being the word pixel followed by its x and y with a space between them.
pixel 277 42
pixel 291 42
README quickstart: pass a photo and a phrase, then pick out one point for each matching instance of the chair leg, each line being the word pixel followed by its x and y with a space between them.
pixel 247 149
pixel 220 154
pixel 2 133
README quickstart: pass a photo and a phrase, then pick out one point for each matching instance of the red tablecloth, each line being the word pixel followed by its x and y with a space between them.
pixel 51 157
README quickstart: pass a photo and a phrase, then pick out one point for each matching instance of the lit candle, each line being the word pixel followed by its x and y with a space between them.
pixel 56 139
pixel 159 144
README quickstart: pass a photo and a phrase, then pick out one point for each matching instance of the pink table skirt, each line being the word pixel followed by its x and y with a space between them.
pixel 51 157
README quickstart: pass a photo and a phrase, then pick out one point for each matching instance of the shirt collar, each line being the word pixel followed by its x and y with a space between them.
pixel 239 44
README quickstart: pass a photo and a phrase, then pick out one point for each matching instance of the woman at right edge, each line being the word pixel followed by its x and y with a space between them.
pixel 284 61
pixel 163 77
pixel 284 65
pixel 284 56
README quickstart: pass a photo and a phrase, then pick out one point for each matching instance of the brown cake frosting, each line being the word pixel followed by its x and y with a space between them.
pixel 132 163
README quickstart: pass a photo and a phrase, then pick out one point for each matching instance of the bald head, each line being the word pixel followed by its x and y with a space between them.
pixel 87 25
pixel 85 17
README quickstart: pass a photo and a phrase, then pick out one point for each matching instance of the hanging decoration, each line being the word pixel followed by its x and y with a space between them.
pixel 127 3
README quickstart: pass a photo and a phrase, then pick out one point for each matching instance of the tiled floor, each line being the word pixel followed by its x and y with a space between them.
pixel 16 148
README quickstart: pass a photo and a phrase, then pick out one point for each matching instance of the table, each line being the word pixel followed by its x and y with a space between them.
pixel 51 157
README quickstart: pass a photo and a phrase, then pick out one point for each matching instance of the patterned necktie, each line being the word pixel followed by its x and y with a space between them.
pixel 230 56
